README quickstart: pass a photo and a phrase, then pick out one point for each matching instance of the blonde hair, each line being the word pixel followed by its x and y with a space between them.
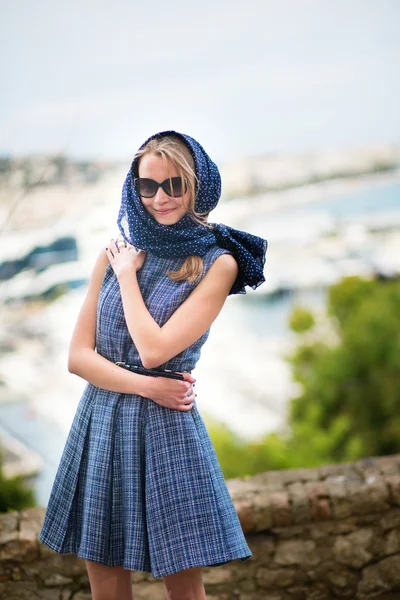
pixel 172 149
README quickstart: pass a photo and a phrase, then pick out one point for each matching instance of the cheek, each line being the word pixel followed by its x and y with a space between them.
pixel 146 205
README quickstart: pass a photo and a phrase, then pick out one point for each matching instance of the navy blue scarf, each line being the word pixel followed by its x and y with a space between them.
pixel 186 237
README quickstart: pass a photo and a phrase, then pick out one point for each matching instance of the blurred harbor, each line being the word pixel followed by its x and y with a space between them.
pixel 318 231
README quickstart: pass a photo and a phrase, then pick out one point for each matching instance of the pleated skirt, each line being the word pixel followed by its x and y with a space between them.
pixel 139 485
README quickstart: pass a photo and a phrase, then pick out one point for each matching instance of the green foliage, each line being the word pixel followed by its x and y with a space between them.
pixel 301 320
pixel 349 406
pixel 346 297
pixel 14 494
pixel 238 457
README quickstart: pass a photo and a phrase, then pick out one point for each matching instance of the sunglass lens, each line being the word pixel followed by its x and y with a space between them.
pixel 145 187
pixel 177 189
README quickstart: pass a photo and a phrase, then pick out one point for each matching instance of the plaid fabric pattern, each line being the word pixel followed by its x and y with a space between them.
pixel 138 484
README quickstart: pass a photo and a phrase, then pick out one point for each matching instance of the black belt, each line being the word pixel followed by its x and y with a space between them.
pixel 151 372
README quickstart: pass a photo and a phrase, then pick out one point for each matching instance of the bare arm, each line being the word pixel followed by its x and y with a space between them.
pixel 194 316
pixel 85 362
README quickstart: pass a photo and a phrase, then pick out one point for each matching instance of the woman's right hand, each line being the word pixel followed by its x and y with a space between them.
pixel 172 393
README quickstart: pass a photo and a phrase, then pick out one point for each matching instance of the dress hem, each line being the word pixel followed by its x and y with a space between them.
pixel 219 561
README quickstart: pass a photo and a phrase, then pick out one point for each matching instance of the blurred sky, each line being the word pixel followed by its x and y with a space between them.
pixel 95 78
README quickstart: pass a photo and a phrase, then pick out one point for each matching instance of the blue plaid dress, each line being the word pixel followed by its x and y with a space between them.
pixel 139 484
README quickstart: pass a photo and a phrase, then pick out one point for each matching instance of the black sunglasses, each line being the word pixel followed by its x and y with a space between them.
pixel 147 188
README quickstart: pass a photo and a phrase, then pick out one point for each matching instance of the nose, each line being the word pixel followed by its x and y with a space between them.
pixel 161 197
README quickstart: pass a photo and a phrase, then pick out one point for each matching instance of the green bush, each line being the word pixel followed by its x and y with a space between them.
pixel 301 320
pixel 349 406
pixel 14 493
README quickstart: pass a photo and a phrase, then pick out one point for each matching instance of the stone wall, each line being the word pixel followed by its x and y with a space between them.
pixel 316 534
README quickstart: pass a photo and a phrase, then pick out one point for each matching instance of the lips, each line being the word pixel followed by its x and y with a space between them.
pixel 164 212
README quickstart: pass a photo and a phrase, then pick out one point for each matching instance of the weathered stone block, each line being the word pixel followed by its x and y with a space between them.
pixel 370 497
pixel 137 576
pixel 13 547
pixel 148 591
pixel 243 488
pixel 394 488
pixel 310 474
pixel 291 531
pixel 57 580
pixel 82 596
pixel 318 591
pixel 262 546
pixel 45 551
pixel 342 579
pixel 213 576
pixel 391 519
pixel 262 512
pixel 248 585
pixel 338 494
pixel 301 507
pixel 275 577
pixel 6 538
pixel 264 595
pixel 35 514
pixel 16 574
pixel 8 522
pixel 296 552
pixel 65 564
pixel 321 530
pixel 380 577
pixel 280 508
pixel 354 549
pixel 389 465
pixel 391 543
pixel 272 480
pixel 245 513
pixel 318 496
pixel 29 530
pixel 21 590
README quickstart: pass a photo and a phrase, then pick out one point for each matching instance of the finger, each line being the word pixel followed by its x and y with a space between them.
pixel 113 246
pixel 185 388
pixel 188 377
pixel 188 398
pixel 118 247
pixel 180 404
pixel 185 407
pixel 109 253
pixel 121 243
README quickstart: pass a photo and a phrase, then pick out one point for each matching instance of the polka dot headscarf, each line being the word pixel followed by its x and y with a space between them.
pixel 186 237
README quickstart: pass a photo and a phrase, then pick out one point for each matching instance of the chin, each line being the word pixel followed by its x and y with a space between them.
pixel 169 219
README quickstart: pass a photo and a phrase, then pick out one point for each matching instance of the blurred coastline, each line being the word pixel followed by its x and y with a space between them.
pixel 325 215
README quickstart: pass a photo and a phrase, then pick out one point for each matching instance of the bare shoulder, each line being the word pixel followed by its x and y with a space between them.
pixel 98 271
pixel 225 266
pixel 101 262
pixel 220 276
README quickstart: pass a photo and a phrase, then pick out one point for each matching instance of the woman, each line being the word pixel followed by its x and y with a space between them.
pixel 139 486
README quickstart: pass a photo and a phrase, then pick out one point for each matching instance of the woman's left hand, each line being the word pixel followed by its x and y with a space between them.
pixel 124 256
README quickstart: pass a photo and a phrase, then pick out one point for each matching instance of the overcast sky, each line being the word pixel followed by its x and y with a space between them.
pixel 96 77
